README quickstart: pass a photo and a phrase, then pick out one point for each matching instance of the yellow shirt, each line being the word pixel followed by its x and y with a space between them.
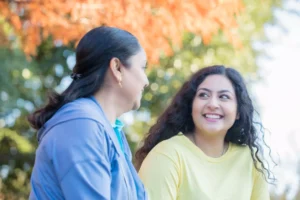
pixel 176 169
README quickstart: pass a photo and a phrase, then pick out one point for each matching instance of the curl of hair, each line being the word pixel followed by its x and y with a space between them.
pixel 177 117
pixel 93 55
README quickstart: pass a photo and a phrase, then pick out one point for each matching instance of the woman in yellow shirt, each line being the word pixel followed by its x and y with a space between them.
pixel 205 145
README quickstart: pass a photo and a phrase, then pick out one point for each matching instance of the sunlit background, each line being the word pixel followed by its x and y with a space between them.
pixel 264 45
pixel 279 96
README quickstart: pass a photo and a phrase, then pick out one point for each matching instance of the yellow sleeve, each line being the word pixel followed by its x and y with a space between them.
pixel 260 189
pixel 160 175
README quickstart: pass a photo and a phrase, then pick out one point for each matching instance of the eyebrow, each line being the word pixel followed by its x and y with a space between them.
pixel 221 91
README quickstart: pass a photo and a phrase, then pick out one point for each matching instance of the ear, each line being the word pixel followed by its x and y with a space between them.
pixel 115 68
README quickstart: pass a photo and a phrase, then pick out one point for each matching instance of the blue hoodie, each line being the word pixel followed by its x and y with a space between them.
pixel 79 157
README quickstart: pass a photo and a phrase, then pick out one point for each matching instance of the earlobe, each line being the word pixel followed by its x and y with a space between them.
pixel 120 81
pixel 237 116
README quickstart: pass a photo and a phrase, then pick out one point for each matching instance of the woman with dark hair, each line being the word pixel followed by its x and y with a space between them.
pixel 82 152
pixel 205 145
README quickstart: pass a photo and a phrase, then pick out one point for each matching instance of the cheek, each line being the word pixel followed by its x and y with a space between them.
pixel 129 88
pixel 197 108
pixel 232 112
pixel 137 79
pixel 198 104
pixel 194 108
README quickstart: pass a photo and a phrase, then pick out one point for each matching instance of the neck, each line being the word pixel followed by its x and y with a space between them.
pixel 110 103
pixel 213 147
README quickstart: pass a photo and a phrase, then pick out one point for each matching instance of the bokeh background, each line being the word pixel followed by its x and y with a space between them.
pixel 259 38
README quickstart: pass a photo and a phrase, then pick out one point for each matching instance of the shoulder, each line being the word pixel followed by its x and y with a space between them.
pixel 81 127
pixel 75 141
pixel 240 149
pixel 80 107
pixel 81 134
pixel 83 108
pixel 170 144
pixel 170 148
pixel 242 154
pixel 165 153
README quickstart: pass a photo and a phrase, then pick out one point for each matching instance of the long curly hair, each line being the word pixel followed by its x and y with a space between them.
pixel 177 118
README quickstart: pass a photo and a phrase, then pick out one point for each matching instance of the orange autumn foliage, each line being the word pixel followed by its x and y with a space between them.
pixel 154 22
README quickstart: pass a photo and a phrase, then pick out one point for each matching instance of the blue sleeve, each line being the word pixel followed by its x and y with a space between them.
pixel 87 180
pixel 81 160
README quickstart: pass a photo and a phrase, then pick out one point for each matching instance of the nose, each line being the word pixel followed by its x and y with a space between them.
pixel 213 103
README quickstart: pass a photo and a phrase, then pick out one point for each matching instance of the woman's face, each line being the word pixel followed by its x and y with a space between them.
pixel 214 108
pixel 134 79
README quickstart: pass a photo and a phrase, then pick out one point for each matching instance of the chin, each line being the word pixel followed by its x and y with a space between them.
pixel 213 131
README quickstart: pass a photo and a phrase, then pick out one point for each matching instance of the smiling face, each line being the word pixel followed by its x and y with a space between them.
pixel 214 108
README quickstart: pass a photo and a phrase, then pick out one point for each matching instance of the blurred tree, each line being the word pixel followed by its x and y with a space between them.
pixel 157 21
pixel 23 87
pixel 194 54
pixel 16 172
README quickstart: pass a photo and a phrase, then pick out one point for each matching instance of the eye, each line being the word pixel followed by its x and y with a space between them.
pixel 203 95
pixel 144 68
pixel 224 96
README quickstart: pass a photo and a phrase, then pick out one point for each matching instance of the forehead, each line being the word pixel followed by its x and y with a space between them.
pixel 217 83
